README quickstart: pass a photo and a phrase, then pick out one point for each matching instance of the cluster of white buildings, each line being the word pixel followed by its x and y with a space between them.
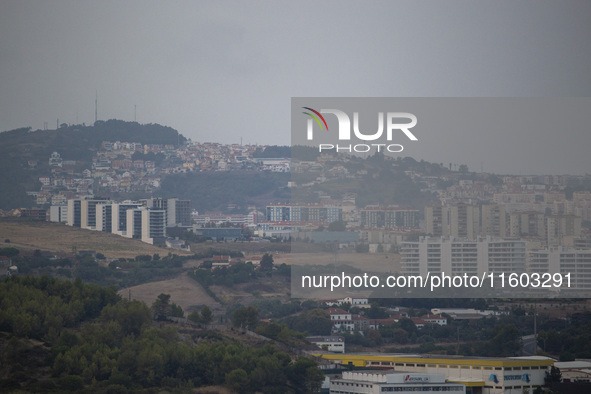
pixel 344 321
pixel 146 220
pixel 485 255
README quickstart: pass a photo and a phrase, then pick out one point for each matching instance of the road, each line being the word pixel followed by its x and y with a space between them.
pixel 529 346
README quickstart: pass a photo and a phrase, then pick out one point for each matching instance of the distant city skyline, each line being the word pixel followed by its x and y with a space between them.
pixel 226 71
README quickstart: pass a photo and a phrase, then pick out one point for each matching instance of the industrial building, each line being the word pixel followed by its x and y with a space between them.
pixel 480 375
pixel 375 382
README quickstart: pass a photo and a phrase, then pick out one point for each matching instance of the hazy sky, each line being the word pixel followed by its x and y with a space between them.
pixel 219 70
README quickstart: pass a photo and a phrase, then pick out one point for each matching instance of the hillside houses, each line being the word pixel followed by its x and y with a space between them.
pixel 344 321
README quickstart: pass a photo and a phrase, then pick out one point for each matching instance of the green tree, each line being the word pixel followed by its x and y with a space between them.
pixel 194 316
pixel 554 376
pixel 130 315
pixel 376 312
pixel 206 315
pixel 505 342
pixel 267 262
pixel 245 317
pixel 304 375
pixel 237 380
pixel 9 252
pixel 161 308
pixel 176 310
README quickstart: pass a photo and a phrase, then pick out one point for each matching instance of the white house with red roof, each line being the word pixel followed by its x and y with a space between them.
pixel 420 323
pixel 375 324
pixel 437 319
pixel 220 261
pixel 341 320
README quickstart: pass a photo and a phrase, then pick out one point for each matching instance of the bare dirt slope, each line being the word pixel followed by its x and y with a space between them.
pixel 375 262
pixel 183 291
pixel 59 238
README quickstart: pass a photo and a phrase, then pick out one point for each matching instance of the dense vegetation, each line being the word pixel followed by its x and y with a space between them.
pixel 385 183
pixel 213 191
pixel 568 339
pixel 92 339
pixel 121 273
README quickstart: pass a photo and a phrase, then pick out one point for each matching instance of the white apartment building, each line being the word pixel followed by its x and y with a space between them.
pixel 457 256
pixel 563 260
pixel 58 213
pixel 146 224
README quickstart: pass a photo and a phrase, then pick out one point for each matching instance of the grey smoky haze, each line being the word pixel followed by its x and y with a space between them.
pixel 225 71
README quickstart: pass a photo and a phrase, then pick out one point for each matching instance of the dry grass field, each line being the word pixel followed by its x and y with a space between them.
pixel 59 238
pixel 375 262
pixel 183 291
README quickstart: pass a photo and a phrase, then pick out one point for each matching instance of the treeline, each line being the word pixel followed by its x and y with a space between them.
pixel 121 272
pixel 43 307
pixel 567 338
pixel 295 318
pixel 235 274
pixel 98 342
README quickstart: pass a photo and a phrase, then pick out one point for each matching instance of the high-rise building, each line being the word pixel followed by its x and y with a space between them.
pixel 527 224
pixel 375 216
pixel 560 226
pixel 146 224
pixel 462 221
pixel 88 212
pixel 493 220
pixel 563 260
pixel 74 212
pixel 458 256
pixel 58 213
pixel 436 220
pixel 119 216
pixel 130 219
pixel 317 213
pixel 104 217
pixel 178 213
pixel 82 212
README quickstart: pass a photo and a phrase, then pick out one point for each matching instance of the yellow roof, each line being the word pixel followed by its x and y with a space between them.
pixel 362 359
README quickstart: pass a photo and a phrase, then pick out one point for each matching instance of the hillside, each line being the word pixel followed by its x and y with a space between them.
pixel 215 190
pixel 59 238
pixel 68 336
pixel 24 153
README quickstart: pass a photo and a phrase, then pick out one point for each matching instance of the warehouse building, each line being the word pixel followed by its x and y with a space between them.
pixel 480 375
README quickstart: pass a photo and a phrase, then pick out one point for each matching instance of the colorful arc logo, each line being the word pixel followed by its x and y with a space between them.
pixel 316 118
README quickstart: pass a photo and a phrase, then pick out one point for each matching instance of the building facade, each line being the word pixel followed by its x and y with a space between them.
pixel 377 382
pixel 458 256
pixel 480 375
